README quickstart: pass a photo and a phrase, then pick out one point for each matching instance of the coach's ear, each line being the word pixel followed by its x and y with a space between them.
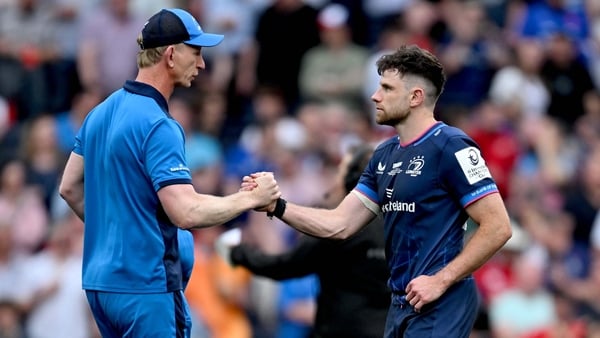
pixel 169 56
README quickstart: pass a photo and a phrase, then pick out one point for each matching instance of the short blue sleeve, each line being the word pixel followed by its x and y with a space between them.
pixel 165 155
pixel 464 171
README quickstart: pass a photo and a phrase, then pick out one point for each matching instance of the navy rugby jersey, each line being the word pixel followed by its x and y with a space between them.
pixel 132 148
pixel 422 189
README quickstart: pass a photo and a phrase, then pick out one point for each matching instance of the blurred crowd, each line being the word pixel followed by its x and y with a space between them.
pixel 288 91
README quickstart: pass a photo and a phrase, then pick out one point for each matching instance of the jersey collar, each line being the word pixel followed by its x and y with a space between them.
pixel 425 135
pixel 149 91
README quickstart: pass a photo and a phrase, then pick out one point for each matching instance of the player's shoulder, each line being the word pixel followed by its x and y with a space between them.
pixel 444 134
pixel 386 144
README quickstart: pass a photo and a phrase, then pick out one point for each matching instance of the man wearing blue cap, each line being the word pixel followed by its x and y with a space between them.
pixel 134 189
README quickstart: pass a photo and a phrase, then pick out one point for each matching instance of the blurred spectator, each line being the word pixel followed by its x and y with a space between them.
pixel 213 113
pixel 525 307
pixel 69 121
pixel 67 18
pixel 519 86
pixel 217 292
pixel 237 20
pixel 544 18
pixel 568 322
pixel 56 306
pixel 587 127
pixel 110 27
pixel 22 209
pixel 469 56
pixel 380 13
pixel 13 266
pixel 564 258
pixel 567 79
pixel 332 71
pixel 202 150
pixel 10 320
pixel 145 8
pixel 204 154
pixel 546 167
pixel 583 292
pixel 582 201
pixel 297 307
pixel 249 154
pixel 418 20
pixel 357 20
pixel 285 30
pixel 591 52
pixel 43 158
pixel 27 45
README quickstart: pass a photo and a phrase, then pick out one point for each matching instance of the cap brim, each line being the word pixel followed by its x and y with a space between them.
pixel 205 40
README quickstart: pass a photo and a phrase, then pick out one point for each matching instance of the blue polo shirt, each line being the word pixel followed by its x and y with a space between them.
pixel 132 148
pixel 422 189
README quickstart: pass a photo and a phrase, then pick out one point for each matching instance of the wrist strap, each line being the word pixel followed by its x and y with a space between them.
pixel 279 209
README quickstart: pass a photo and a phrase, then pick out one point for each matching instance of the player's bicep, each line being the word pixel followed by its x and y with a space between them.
pixel 355 212
pixel 489 211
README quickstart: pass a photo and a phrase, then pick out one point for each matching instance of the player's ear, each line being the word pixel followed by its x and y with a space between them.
pixel 417 96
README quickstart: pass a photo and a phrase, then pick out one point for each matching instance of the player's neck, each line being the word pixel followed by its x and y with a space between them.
pixel 414 126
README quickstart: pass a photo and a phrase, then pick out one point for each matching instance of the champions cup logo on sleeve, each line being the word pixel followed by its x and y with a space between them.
pixel 472 164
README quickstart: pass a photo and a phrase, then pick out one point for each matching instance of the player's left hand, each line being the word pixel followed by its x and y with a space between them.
pixel 423 290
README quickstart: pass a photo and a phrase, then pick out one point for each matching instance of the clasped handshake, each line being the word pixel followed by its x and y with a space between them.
pixel 264 188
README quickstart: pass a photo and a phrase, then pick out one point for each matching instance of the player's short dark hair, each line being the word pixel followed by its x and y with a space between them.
pixel 414 60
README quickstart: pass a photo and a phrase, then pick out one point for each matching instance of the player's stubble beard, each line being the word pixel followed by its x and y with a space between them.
pixel 392 118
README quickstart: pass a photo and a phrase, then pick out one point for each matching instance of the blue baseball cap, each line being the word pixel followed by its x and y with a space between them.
pixel 172 26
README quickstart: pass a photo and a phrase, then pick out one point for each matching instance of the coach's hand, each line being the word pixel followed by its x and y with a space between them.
pixel 264 187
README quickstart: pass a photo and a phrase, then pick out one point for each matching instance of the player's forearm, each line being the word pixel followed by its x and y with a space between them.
pixel 486 241
pixel 318 222
pixel 78 209
pixel 73 195
pixel 346 219
pixel 71 185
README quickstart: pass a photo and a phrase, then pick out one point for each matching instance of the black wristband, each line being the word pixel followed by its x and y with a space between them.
pixel 279 209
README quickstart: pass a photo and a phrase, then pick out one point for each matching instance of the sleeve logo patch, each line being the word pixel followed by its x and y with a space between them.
pixel 472 164
pixel 181 167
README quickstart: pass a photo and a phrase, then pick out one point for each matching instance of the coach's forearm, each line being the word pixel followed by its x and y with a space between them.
pixel 208 210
